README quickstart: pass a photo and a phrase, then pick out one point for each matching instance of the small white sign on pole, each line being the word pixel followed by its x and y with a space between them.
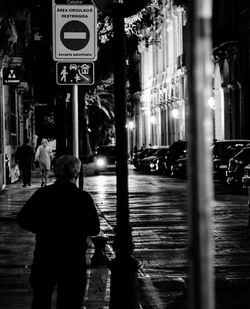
pixel 74 32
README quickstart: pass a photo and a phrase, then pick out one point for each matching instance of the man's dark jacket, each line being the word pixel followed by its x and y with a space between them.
pixel 25 155
pixel 61 216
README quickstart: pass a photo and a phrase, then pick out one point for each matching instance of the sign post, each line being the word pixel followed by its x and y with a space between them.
pixel 74 45
pixel 75 121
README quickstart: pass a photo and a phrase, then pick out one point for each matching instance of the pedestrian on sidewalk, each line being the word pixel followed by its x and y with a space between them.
pixel 25 158
pixel 43 157
pixel 62 216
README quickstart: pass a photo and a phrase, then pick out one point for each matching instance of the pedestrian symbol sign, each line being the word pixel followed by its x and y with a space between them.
pixel 74 33
pixel 75 73
pixel 11 76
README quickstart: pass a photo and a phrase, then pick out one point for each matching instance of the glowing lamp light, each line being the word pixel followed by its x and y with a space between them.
pixel 152 119
pixel 175 113
pixel 101 162
pixel 211 102
pixel 131 125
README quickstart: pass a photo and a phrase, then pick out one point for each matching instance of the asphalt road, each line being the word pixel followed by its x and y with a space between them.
pixel 158 216
pixel 159 220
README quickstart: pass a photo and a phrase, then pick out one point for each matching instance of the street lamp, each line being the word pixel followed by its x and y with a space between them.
pixel 152 119
pixel 131 125
pixel 175 113
pixel 211 103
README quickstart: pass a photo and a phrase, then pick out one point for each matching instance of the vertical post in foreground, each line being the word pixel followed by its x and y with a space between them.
pixel 200 189
pixel 123 267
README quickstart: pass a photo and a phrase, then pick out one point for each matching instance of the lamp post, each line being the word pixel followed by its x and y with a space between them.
pixel 211 103
pixel 123 292
pixel 130 127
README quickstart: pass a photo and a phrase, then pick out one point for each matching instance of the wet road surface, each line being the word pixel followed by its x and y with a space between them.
pixel 158 216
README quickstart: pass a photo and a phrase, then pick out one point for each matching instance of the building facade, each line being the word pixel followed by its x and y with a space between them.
pixel 231 48
pixel 16 106
pixel 159 107
pixel 159 110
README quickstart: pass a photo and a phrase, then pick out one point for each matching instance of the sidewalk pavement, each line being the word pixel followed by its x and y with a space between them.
pixel 16 246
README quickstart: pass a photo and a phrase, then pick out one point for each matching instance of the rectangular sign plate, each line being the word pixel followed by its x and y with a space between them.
pixel 11 76
pixel 74 33
pixel 68 73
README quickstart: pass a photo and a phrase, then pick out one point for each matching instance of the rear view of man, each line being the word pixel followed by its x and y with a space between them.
pixel 61 216
pixel 25 157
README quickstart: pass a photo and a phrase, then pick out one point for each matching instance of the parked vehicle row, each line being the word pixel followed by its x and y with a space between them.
pixel 223 151
pixel 231 160
pixel 230 157
pixel 237 165
pixel 160 159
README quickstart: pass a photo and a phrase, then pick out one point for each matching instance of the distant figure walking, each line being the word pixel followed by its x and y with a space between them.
pixel 44 156
pixel 25 158
pixel 62 216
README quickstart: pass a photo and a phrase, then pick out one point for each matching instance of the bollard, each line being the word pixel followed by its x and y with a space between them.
pixel 99 258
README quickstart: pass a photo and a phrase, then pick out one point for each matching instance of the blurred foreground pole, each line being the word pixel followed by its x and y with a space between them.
pixel 123 294
pixel 200 190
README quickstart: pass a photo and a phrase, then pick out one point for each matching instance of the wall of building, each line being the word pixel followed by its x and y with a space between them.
pixel 159 115
pixel 16 115
pixel 161 110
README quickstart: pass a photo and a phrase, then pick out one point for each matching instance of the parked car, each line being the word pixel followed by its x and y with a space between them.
pixel 223 151
pixel 136 161
pixel 151 162
pixel 246 177
pixel 236 166
pixel 179 166
pixel 176 150
pixel 105 158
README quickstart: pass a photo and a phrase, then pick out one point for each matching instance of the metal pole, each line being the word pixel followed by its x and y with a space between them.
pixel 75 121
pixel 75 131
pixel 124 268
pixel 2 132
pixel 200 186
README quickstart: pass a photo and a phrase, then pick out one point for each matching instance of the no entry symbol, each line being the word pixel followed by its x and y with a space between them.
pixel 74 35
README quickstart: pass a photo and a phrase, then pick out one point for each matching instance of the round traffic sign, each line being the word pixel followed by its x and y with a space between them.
pixel 74 35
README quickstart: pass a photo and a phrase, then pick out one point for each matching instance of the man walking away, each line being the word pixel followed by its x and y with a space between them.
pixel 25 157
pixel 62 216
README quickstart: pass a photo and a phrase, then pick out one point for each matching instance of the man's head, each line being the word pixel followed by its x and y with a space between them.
pixel 67 167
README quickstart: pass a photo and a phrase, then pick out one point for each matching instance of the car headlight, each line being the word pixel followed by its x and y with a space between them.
pixel 101 163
